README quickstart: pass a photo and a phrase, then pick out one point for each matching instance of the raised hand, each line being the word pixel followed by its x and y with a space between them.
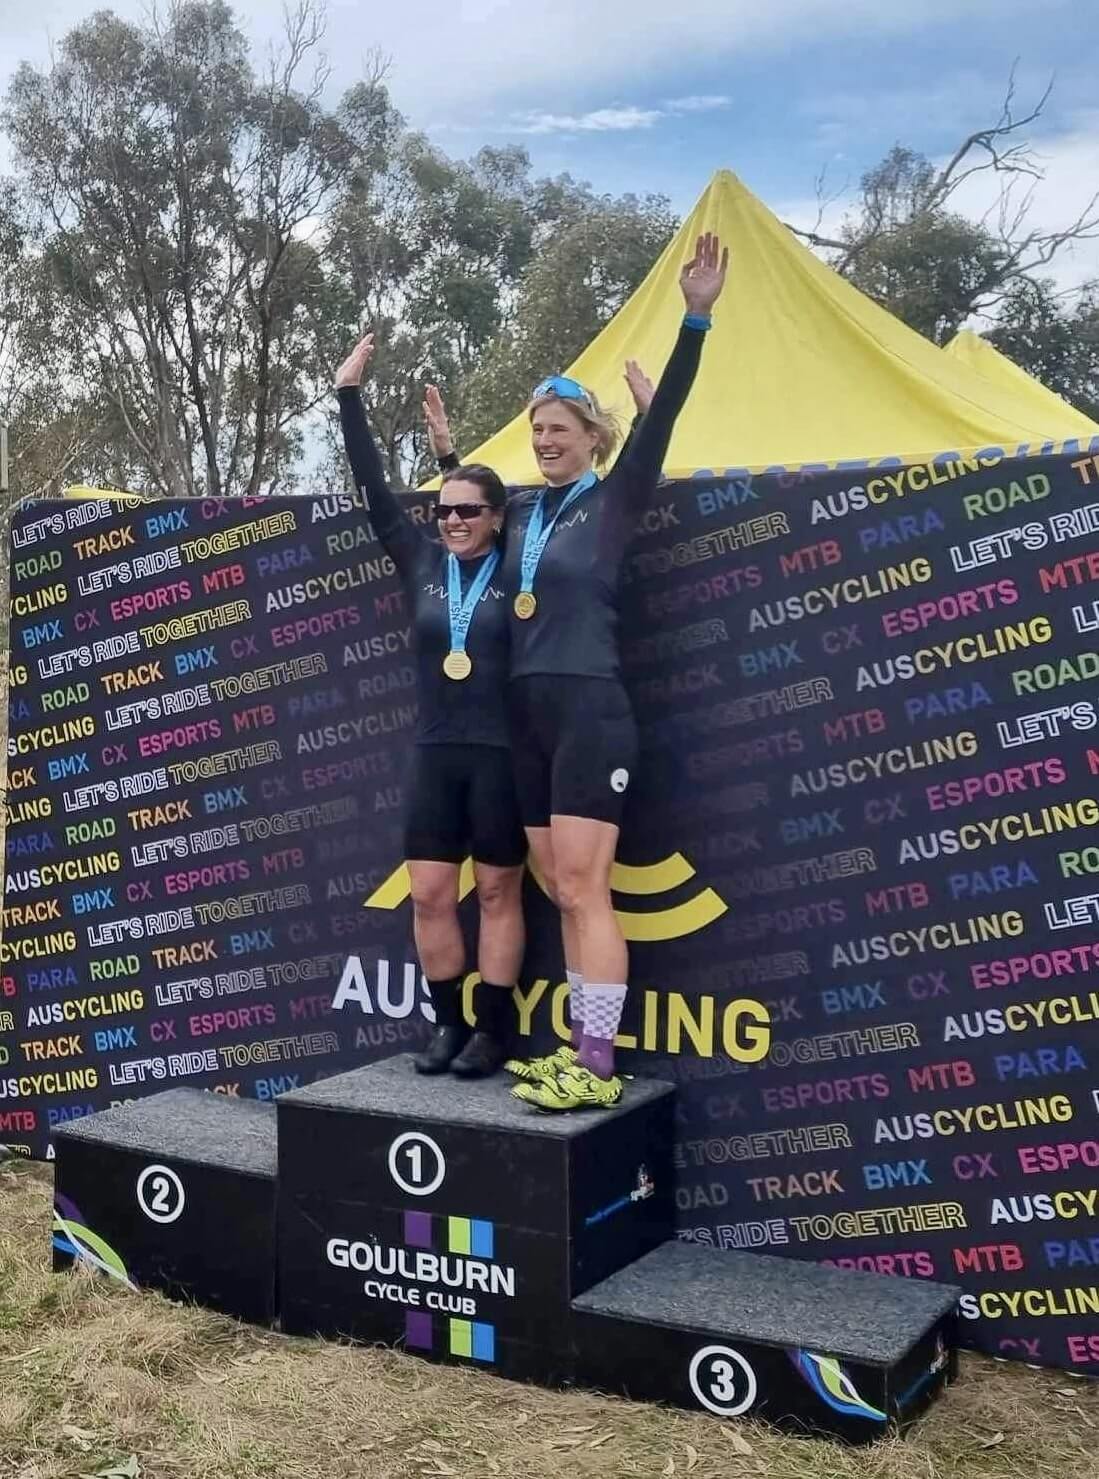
pixel 438 427
pixel 641 387
pixel 703 277
pixel 354 366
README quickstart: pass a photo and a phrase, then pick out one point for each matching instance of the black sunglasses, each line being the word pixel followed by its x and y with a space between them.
pixel 465 511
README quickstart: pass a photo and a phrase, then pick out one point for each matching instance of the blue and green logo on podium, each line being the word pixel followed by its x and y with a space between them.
pixel 466 1238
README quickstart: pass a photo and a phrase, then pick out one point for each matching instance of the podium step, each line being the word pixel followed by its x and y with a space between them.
pixel 452 1220
pixel 817 1349
pixel 174 1192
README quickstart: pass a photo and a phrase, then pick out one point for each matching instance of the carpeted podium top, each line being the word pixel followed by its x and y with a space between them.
pixel 187 1125
pixel 780 1301
pixel 393 1087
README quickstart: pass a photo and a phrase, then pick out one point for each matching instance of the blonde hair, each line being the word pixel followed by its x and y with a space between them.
pixel 593 416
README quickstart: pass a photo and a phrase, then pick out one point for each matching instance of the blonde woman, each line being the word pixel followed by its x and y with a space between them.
pixel 574 737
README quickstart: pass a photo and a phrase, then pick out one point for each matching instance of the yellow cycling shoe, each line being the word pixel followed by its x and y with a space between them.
pixel 536 1069
pixel 574 1087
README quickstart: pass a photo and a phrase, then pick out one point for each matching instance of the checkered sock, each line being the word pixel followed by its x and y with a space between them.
pixel 602 1013
pixel 576 1006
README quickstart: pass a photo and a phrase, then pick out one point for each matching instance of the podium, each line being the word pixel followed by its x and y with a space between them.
pixel 449 1219
pixel 812 1349
pixel 175 1192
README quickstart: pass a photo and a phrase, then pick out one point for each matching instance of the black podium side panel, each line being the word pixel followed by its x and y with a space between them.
pixel 356 1158
pixel 729 1377
pixel 816 1350
pixel 929 1366
pixel 197 1232
pixel 621 1193
pixel 174 1192
pixel 439 1285
pixel 455 1222
pixel 734 1376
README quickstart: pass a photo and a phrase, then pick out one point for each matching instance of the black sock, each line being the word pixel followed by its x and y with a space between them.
pixel 495 1009
pixel 447 1001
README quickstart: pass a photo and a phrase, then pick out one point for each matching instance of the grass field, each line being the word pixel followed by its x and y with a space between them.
pixel 95 1380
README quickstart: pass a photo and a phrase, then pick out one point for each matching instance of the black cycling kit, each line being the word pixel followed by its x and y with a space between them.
pixel 574 738
pixel 460 792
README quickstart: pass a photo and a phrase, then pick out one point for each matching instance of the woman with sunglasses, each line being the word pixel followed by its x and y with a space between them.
pixel 461 796
pixel 574 737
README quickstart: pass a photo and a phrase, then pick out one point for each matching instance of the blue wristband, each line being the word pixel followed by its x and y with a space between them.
pixel 697 320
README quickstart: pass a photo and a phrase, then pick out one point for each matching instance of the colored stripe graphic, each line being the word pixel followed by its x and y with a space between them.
pixel 417 1229
pixel 72 1237
pixel 833 1386
pixel 473 1339
pixel 417 1330
pixel 471 1236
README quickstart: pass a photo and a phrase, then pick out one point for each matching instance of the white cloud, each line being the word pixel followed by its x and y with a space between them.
pixel 1070 161
pixel 599 120
pixel 702 103
pixel 950 105
pixel 805 212
pixel 450 52
pixel 619 119
pixel 613 44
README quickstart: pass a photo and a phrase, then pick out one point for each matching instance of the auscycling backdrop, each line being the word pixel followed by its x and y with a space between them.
pixel 856 871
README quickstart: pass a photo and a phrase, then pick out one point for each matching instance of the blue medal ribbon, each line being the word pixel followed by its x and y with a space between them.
pixel 538 532
pixel 459 611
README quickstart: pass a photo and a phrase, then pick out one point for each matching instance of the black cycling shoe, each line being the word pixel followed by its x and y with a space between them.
pixel 481 1056
pixel 491 1044
pixel 444 1045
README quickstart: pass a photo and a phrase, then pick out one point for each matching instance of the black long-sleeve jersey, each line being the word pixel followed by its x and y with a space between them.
pixel 574 631
pixel 467 712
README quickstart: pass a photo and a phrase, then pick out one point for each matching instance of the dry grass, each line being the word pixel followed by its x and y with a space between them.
pixel 94 1379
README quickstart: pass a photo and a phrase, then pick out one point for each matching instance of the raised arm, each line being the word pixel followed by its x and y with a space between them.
pixel 701 281
pixel 401 539
pixel 438 429
pixel 642 389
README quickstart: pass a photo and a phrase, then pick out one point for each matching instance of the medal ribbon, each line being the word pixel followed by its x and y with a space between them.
pixel 538 532
pixel 459 611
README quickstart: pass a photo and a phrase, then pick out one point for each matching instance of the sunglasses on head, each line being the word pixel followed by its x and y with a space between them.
pixel 442 511
pixel 563 387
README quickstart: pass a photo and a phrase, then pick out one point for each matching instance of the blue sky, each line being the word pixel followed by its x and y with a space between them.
pixel 648 96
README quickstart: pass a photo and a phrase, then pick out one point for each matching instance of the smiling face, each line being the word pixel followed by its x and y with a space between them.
pixel 563 443
pixel 471 536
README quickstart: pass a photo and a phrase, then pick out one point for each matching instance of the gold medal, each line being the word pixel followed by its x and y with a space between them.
pixel 457 665
pixel 525 605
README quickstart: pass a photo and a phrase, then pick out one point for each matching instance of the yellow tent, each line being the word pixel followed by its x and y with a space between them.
pixel 970 349
pixel 800 367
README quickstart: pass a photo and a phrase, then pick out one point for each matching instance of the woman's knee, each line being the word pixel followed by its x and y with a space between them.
pixel 433 900
pixel 499 892
pixel 580 892
pixel 541 854
pixel 549 883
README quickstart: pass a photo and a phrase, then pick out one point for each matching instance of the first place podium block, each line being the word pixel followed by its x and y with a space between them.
pixel 449 1219
pixel 175 1192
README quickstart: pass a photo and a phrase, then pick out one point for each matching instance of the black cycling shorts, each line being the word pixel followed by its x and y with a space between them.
pixel 574 747
pixel 461 802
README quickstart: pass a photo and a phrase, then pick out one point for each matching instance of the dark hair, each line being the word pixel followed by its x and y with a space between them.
pixel 496 495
